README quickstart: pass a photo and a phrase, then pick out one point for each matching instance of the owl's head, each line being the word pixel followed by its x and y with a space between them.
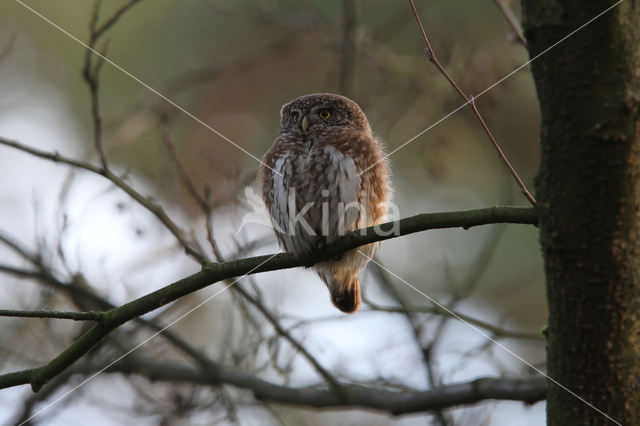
pixel 309 113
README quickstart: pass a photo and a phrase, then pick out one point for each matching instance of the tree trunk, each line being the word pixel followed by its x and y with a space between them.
pixel 588 191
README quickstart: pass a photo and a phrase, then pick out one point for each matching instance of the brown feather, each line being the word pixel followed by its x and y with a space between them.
pixel 335 162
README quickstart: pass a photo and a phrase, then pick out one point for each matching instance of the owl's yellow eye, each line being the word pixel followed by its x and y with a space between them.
pixel 295 117
pixel 324 114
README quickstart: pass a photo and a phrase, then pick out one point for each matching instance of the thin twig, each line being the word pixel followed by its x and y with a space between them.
pixel 8 47
pixel 154 208
pixel 184 176
pixel 297 345
pixel 464 289
pixel 237 288
pixel 215 272
pixel 505 8
pixel 500 153
pixel 81 294
pixel 203 202
pixel 26 412
pixel 76 316
pixel 480 264
pixel 349 34
pixel 271 318
pixel 114 18
pixel 161 215
pixel 495 330
pixel 468 99
pixel 90 74
pixel 416 329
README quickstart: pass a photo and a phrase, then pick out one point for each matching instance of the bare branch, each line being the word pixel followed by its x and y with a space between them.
pixel 184 176
pixel 271 318
pixel 349 34
pixel 528 390
pixel 512 19
pixel 496 330
pixel 159 212
pixel 114 18
pixel 17 378
pixel 30 403
pixel 8 47
pixel 207 371
pixel 154 208
pixel 202 202
pixel 469 99
pixel 90 74
pixel 82 295
pixel 76 316
pixel 412 319
pixel 294 342
pixel 214 272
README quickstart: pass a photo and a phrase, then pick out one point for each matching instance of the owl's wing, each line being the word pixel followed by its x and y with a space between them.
pixel 326 175
pixel 364 177
pixel 344 192
pixel 273 189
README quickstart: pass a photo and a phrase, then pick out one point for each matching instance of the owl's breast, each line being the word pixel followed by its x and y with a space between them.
pixel 324 185
pixel 315 194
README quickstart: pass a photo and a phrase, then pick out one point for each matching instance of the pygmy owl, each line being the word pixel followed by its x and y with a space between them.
pixel 326 175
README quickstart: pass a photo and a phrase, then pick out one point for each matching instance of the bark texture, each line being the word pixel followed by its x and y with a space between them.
pixel 588 191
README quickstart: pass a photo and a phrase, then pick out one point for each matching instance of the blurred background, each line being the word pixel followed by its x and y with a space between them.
pixel 232 64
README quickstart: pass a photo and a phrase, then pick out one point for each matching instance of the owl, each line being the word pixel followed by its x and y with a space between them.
pixel 324 176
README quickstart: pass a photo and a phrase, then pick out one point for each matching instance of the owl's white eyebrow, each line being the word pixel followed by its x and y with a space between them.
pixel 142 83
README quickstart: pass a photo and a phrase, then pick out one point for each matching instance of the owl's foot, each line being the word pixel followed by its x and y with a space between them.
pixel 321 244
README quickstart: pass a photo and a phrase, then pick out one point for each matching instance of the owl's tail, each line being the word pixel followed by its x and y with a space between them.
pixel 344 289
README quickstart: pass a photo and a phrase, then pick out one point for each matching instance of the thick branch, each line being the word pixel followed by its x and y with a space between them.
pixel 214 272
pixel 528 390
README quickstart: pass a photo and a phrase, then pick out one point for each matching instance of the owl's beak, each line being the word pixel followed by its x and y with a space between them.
pixel 305 123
